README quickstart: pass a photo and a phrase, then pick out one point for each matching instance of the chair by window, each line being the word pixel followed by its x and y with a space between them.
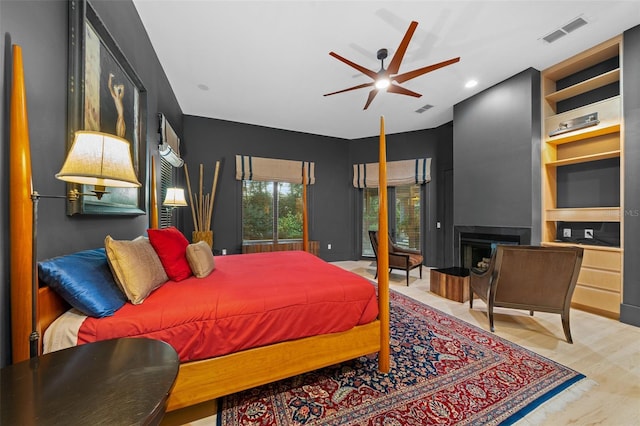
pixel 532 278
pixel 399 258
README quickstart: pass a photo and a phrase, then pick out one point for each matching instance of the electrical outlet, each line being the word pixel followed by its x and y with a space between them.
pixel 438 225
pixel 588 233
pixel 566 232
pixel 328 246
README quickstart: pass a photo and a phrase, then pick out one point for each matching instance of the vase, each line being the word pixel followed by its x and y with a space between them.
pixel 206 236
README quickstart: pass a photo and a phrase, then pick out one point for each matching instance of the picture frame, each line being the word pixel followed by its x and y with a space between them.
pixel 104 94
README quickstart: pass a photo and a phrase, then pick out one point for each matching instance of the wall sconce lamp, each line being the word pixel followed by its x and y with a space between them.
pixel 98 159
pixel 174 198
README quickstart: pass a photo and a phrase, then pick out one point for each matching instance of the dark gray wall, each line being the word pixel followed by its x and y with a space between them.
pixel 630 307
pixel 496 156
pixel 40 28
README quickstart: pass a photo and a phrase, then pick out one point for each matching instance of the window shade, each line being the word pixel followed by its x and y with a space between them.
pixel 169 142
pixel 404 172
pixel 273 170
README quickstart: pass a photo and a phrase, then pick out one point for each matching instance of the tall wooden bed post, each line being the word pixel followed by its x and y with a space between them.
pixel 383 261
pixel 153 202
pixel 305 218
pixel 23 305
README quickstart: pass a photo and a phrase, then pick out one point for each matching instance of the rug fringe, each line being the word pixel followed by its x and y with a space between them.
pixel 557 403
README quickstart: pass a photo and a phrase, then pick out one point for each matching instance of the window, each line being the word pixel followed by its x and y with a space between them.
pixel 407 216
pixel 404 216
pixel 271 211
pixel 369 219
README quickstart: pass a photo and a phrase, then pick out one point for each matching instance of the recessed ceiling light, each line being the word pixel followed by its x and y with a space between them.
pixel 471 83
pixel 203 87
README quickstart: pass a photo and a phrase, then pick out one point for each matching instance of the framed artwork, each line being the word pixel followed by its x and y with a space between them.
pixel 105 95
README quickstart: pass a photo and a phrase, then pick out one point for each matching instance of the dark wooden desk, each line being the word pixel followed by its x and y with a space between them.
pixel 115 382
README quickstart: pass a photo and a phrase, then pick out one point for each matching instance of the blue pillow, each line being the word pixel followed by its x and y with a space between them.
pixel 85 281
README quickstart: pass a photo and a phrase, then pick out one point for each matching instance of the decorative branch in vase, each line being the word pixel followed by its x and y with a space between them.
pixel 202 206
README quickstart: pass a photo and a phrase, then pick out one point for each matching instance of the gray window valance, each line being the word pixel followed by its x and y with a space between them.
pixel 273 170
pixel 404 172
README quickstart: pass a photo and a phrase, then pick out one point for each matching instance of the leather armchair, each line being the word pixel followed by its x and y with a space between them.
pixel 533 278
pixel 399 257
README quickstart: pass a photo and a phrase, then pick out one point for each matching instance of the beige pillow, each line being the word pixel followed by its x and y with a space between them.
pixel 136 267
pixel 200 259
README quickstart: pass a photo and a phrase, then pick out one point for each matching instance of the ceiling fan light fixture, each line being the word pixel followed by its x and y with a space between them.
pixel 382 83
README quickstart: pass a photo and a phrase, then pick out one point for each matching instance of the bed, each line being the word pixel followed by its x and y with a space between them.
pixel 246 301
pixel 198 380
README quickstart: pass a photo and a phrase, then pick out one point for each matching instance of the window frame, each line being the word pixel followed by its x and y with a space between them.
pixel 274 223
pixel 392 198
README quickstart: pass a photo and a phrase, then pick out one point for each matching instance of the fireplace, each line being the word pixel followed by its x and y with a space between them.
pixel 474 244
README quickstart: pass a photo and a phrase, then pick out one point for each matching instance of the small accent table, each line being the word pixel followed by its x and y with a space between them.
pixel 452 283
pixel 113 382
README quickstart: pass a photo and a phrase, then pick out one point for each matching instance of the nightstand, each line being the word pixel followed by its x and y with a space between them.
pixel 113 382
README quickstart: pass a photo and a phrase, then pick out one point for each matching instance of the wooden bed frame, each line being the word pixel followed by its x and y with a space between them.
pixel 197 381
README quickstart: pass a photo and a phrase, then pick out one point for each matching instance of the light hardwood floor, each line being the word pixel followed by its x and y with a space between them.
pixel 605 350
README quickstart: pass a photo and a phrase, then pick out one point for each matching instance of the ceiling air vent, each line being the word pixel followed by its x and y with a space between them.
pixel 424 108
pixel 574 25
pixel 566 29
pixel 554 36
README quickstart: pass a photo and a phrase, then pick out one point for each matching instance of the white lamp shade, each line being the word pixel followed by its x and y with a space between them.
pixel 175 198
pixel 99 159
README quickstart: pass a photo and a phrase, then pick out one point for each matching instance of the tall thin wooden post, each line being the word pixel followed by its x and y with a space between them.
pixel 153 220
pixel 305 224
pixel 383 258
pixel 20 215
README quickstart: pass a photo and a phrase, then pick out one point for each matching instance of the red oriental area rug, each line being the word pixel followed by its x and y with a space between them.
pixel 443 372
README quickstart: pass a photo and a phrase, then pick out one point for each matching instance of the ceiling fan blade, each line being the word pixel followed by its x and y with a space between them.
pixel 394 65
pixel 360 68
pixel 401 78
pixel 393 88
pixel 359 86
pixel 372 94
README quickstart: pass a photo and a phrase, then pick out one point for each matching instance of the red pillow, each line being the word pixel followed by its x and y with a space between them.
pixel 171 246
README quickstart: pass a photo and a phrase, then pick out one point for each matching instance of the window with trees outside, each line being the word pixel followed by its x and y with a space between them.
pixel 271 211
pixel 404 216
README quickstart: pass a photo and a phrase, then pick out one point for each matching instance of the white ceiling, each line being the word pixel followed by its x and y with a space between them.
pixel 267 62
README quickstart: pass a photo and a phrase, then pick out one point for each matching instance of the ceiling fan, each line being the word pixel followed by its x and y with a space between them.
pixel 386 79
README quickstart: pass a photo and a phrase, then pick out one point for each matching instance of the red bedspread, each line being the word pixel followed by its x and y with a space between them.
pixel 249 300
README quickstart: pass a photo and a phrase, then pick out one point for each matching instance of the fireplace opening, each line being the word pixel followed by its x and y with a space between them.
pixel 473 244
pixel 476 249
